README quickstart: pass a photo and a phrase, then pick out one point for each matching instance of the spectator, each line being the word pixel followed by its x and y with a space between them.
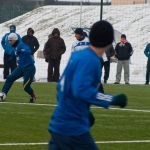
pixel 123 53
pixel 53 50
pixel 107 56
pixel 9 53
pixel 82 40
pixel 147 53
pixel 31 40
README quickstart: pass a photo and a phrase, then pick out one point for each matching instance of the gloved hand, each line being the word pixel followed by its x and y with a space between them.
pixel 120 100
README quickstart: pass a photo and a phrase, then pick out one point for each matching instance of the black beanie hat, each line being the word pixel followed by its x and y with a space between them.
pixel 79 31
pixel 101 34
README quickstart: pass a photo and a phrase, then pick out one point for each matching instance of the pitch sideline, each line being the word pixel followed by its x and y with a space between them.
pixel 97 142
pixel 54 105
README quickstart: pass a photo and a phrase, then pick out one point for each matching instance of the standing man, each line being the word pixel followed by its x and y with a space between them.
pixel 82 40
pixel 107 56
pixel 147 54
pixel 53 50
pixel 25 69
pixel 31 40
pixel 9 55
pixel 123 53
pixel 77 91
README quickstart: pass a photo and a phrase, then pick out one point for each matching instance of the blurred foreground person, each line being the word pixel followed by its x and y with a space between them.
pixel 77 91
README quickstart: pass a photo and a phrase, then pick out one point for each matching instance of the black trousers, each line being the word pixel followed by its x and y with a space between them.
pixel 106 66
pixel 148 71
pixel 81 142
pixel 54 69
pixel 10 64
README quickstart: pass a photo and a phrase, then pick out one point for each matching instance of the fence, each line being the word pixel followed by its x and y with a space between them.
pixel 132 20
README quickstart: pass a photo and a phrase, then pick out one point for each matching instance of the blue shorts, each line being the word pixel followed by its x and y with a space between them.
pixel 82 142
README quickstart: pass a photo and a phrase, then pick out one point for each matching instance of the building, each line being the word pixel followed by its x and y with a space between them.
pixel 125 2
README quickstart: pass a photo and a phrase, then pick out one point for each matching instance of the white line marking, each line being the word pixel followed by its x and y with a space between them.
pixel 23 144
pixel 54 105
pixel 97 142
pixel 31 104
pixel 117 142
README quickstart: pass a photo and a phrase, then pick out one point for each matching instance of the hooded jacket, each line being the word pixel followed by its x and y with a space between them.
pixel 147 51
pixel 31 41
pixel 55 46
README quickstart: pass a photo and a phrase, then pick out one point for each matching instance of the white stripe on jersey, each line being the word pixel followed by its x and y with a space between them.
pixel 104 97
pixel 79 45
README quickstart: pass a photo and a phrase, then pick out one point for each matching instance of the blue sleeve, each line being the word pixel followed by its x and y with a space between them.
pixel 147 50
pixel 24 49
pixel 83 88
pixel 19 38
pixel 3 41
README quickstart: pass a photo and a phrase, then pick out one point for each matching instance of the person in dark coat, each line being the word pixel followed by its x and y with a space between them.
pixel 109 53
pixel 53 50
pixel 31 40
pixel 123 51
pixel 147 54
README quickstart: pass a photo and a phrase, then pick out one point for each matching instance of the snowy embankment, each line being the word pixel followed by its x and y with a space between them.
pixel 133 20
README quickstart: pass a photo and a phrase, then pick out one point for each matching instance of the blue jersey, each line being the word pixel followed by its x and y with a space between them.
pixel 25 57
pixel 77 91
pixel 8 49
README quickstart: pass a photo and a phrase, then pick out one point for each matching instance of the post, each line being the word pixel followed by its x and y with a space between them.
pixel 101 10
pixel 81 5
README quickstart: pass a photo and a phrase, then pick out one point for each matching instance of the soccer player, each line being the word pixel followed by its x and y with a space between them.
pixel 82 40
pixel 25 69
pixel 77 91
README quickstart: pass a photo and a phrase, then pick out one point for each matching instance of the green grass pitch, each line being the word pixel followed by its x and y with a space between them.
pixel 28 123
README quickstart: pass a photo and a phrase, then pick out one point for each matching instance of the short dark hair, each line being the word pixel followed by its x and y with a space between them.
pixel 123 36
pixel 79 31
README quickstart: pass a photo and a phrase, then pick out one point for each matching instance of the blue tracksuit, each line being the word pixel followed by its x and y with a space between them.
pixel 77 91
pixel 8 49
pixel 25 69
pixel 25 57
pixel 9 55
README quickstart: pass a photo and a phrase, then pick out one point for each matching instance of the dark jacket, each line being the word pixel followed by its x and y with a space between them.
pixel 55 46
pixel 147 51
pixel 32 42
pixel 110 51
pixel 123 51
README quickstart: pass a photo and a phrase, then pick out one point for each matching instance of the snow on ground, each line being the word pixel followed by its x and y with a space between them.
pixel 133 20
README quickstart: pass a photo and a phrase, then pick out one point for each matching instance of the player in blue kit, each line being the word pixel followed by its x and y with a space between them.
pixel 25 69
pixel 77 91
